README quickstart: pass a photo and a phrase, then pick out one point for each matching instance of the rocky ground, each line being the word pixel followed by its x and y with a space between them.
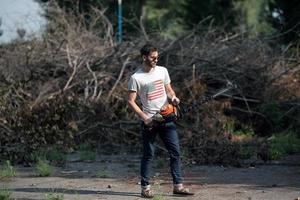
pixel 116 177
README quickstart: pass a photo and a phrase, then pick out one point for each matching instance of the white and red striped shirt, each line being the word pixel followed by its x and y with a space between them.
pixel 150 87
pixel 156 90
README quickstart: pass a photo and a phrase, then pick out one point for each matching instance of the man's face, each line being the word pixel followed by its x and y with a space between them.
pixel 151 59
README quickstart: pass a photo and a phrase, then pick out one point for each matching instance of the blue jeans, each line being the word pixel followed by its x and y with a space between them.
pixel 167 133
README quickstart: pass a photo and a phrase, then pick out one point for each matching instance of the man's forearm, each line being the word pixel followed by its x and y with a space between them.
pixel 171 94
pixel 137 110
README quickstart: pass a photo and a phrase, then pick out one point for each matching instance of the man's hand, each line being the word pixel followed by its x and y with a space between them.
pixel 175 101
pixel 148 121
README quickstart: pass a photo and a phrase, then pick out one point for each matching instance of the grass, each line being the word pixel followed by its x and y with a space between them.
pixel 8 171
pixel 102 173
pixel 5 194
pixel 283 144
pixel 158 197
pixel 43 168
pixel 54 197
pixel 239 129
pixel 86 153
pixel 158 191
pixel 54 155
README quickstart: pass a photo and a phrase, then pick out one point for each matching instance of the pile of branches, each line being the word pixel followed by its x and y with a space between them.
pixel 70 87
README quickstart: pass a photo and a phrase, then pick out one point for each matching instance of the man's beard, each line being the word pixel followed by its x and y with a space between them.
pixel 152 64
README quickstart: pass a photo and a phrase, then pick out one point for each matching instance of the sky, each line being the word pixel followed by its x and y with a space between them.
pixel 20 14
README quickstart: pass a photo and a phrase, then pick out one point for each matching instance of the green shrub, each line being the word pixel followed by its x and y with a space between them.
pixel 43 168
pixel 273 113
pixel 5 194
pixel 283 144
pixel 235 128
pixel 8 171
pixel 55 156
pixel 246 152
pixel 86 152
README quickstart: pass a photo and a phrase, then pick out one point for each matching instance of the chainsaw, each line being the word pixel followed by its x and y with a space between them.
pixel 171 113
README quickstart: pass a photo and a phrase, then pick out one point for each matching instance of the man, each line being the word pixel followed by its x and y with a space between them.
pixel 152 84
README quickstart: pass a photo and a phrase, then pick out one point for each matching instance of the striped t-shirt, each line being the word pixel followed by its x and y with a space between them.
pixel 150 87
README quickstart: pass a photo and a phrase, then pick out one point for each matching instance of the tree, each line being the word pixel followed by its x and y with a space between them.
pixel 1 31
pixel 287 19
pixel 132 10
pixel 254 16
pixel 222 12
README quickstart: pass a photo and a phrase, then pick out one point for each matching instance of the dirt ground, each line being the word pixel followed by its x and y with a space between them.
pixel 117 177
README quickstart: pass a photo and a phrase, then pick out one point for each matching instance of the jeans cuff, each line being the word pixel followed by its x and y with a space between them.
pixel 146 187
pixel 178 186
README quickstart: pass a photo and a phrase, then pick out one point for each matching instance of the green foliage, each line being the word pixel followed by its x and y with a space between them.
pixel 283 144
pixel 255 15
pixel 55 155
pixel 246 152
pixel 54 197
pixel 86 152
pixel 44 168
pixel 5 194
pixel 288 20
pixel 165 18
pixel 8 171
pixel 222 13
pixel 172 17
pixel 236 128
pixel 273 113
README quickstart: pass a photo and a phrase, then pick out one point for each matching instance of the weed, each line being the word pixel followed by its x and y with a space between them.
pixel 158 191
pixel 54 155
pixel 102 173
pixel 239 129
pixel 8 171
pixel 54 197
pixel 158 197
pixel 5 194
pixel 37 155
pixel 43 168
pixel 86 153
pixel 283 144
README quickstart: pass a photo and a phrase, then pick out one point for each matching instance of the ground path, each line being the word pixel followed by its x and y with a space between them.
pixel 116 178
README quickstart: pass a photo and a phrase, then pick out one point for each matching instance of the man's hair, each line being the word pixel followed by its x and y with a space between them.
pixel 147 49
